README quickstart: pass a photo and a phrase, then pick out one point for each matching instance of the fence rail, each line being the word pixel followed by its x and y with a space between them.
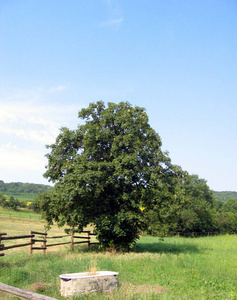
pixel 22 293
pixel 39 240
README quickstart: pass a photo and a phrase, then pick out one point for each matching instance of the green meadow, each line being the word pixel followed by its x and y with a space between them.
pixel 169 268
pixel 21 213
pixel 23 196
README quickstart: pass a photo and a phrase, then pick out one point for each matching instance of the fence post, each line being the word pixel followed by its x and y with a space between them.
pixel 30 242
pixel 88 234
pixel 72 240
pixel 44 242
pixel 1 254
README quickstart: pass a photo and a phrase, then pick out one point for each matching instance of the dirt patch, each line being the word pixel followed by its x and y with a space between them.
pixel 144 288
pixel 38 287
pixel 154 289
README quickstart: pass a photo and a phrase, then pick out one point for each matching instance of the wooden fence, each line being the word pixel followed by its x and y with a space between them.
pixel 40 240
pixel 23 293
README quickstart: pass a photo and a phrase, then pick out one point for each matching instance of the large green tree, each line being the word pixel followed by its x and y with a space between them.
pixel 106 172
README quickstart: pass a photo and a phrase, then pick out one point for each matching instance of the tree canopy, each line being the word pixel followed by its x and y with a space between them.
pixel 106 172
pixel 189 206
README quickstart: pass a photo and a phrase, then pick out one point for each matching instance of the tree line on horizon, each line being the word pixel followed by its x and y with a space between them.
pixel 26 192
pixel 21 188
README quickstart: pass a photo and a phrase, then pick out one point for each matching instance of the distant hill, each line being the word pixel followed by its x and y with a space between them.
pixel 223 196
pixel 19 188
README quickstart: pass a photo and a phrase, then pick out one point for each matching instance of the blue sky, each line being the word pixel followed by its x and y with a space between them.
pixel 176 58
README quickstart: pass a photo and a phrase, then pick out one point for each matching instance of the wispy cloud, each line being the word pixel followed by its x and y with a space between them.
pixel 28 122
pixel 26 126
pixel 35 119
pixel 112 22
pixel 15 158
pixel 58 88
pixel 40 136
pixel 30 119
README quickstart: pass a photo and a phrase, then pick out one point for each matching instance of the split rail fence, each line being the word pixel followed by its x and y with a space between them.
pixel 23 293
pixel 41 240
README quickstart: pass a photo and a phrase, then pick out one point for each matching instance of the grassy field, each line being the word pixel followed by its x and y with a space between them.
pixel 23 196
pixel 22 213
pixel 173 268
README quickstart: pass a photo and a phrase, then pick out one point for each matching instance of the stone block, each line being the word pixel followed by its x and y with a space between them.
pixel 83 283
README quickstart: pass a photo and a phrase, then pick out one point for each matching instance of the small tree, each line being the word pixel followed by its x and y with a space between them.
pixel 106 172
pixel 3 198
pixel 10 203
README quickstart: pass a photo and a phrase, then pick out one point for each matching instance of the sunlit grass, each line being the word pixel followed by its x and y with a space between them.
pixel 173 268
pixel 21 213
pixel 23 196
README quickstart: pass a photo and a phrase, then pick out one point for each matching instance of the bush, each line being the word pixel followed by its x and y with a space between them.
pixel 10 203
pixel 34 206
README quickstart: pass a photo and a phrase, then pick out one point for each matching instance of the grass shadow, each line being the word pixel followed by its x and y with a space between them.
pixel 84 249
pixel 4 265
pixel 163 247
pixel 155 247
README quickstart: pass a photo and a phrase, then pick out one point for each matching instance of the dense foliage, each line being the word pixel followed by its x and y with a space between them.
pixel 198 211
pixel 9 203
pixel 3 198
pixel 106 172
pixel 227 216
pixel 191 210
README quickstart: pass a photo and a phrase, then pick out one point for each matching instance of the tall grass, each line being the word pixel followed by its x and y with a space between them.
pixel 173 268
